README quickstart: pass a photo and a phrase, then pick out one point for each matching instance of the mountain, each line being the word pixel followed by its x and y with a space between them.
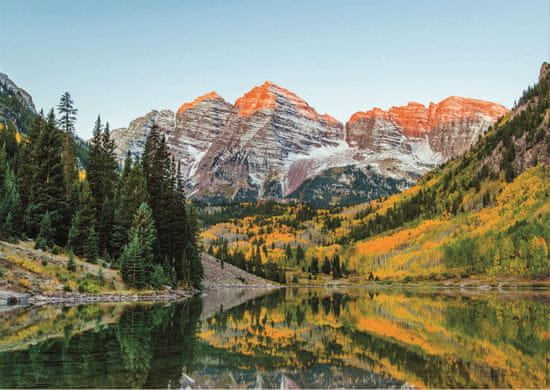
pixel 7 85
pixel 16 105
pixel 272 144
pixel 17 110
pixel 481 217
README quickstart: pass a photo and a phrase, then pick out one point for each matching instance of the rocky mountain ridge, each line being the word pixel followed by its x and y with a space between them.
pixel 7 85
pixel 270 142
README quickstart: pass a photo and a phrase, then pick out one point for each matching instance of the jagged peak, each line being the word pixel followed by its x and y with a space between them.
pixel 21 94
pixel 265 97
pixel 416 118
pixel 212 95
pixel 258 98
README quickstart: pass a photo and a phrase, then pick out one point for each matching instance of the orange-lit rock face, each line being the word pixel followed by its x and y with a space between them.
pixel 271 141
pixel 257 99
pixel 209 96
pixel 458 108
pixel 269 95
pixel 415 119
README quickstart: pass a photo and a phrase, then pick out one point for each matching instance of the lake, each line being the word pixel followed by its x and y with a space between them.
pixel 297 337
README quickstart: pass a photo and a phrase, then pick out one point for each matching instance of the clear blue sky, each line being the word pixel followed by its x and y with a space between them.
pixel 123 58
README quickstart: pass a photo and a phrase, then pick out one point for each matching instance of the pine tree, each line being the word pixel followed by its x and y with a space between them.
pixel 71 264
pixel 196 271
pixel 105 226
pixel 94 169
pixel 137 257
pixel 8 229
pixel 83 223
pixel 102 175
pixel 184 233
pixel 27 163
pixel 11 219
pixel 91 248
pixel 11 216
pixel 67 119
pixel 47 189
pixel 168 205
pixel 177 231
pixel 46 234
pixel 67 113
pixel 132 266
pixel 110 178
pixel 131 192
pixel 158 176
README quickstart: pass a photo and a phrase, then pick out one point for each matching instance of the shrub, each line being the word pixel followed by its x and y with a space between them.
pixel 89 287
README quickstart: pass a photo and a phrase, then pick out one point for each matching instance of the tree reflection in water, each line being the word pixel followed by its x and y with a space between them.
pixel 299 336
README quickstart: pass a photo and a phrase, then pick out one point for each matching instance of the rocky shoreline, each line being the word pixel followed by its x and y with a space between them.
pixel 13 298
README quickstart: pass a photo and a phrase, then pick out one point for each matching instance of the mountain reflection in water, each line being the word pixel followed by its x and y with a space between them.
pixel 297 337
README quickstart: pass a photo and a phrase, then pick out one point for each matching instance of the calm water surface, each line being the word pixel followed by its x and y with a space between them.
pixel 294 337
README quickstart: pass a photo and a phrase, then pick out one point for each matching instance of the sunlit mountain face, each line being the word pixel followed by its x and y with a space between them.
pixel 294 337
pixel 271 144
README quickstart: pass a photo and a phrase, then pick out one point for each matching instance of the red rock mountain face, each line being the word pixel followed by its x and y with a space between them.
pixel 451 125
pixel 270 140
pixel 250 157
pixel 417 120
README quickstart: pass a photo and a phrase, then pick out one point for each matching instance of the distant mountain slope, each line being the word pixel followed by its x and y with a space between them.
pixel 486 212
pixel 273 144
pixel 16 105
pixel 17 110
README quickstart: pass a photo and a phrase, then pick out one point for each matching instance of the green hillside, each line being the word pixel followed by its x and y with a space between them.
pixel 484 213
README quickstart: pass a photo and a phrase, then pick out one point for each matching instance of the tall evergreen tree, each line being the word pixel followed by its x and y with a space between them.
pixel 67 113
pixel 47 189
pixel 110 179
pixel 11 213
pixel 137 256
pixel 196 271
pixel 11 219
pixel 131 192
pixel 83 223
pixel 102 175
pixel 46 233
pixel 67 119
pixel 183 238
pixel 91 249
pixel 167 210
pixel 27 163
pixel 94 169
